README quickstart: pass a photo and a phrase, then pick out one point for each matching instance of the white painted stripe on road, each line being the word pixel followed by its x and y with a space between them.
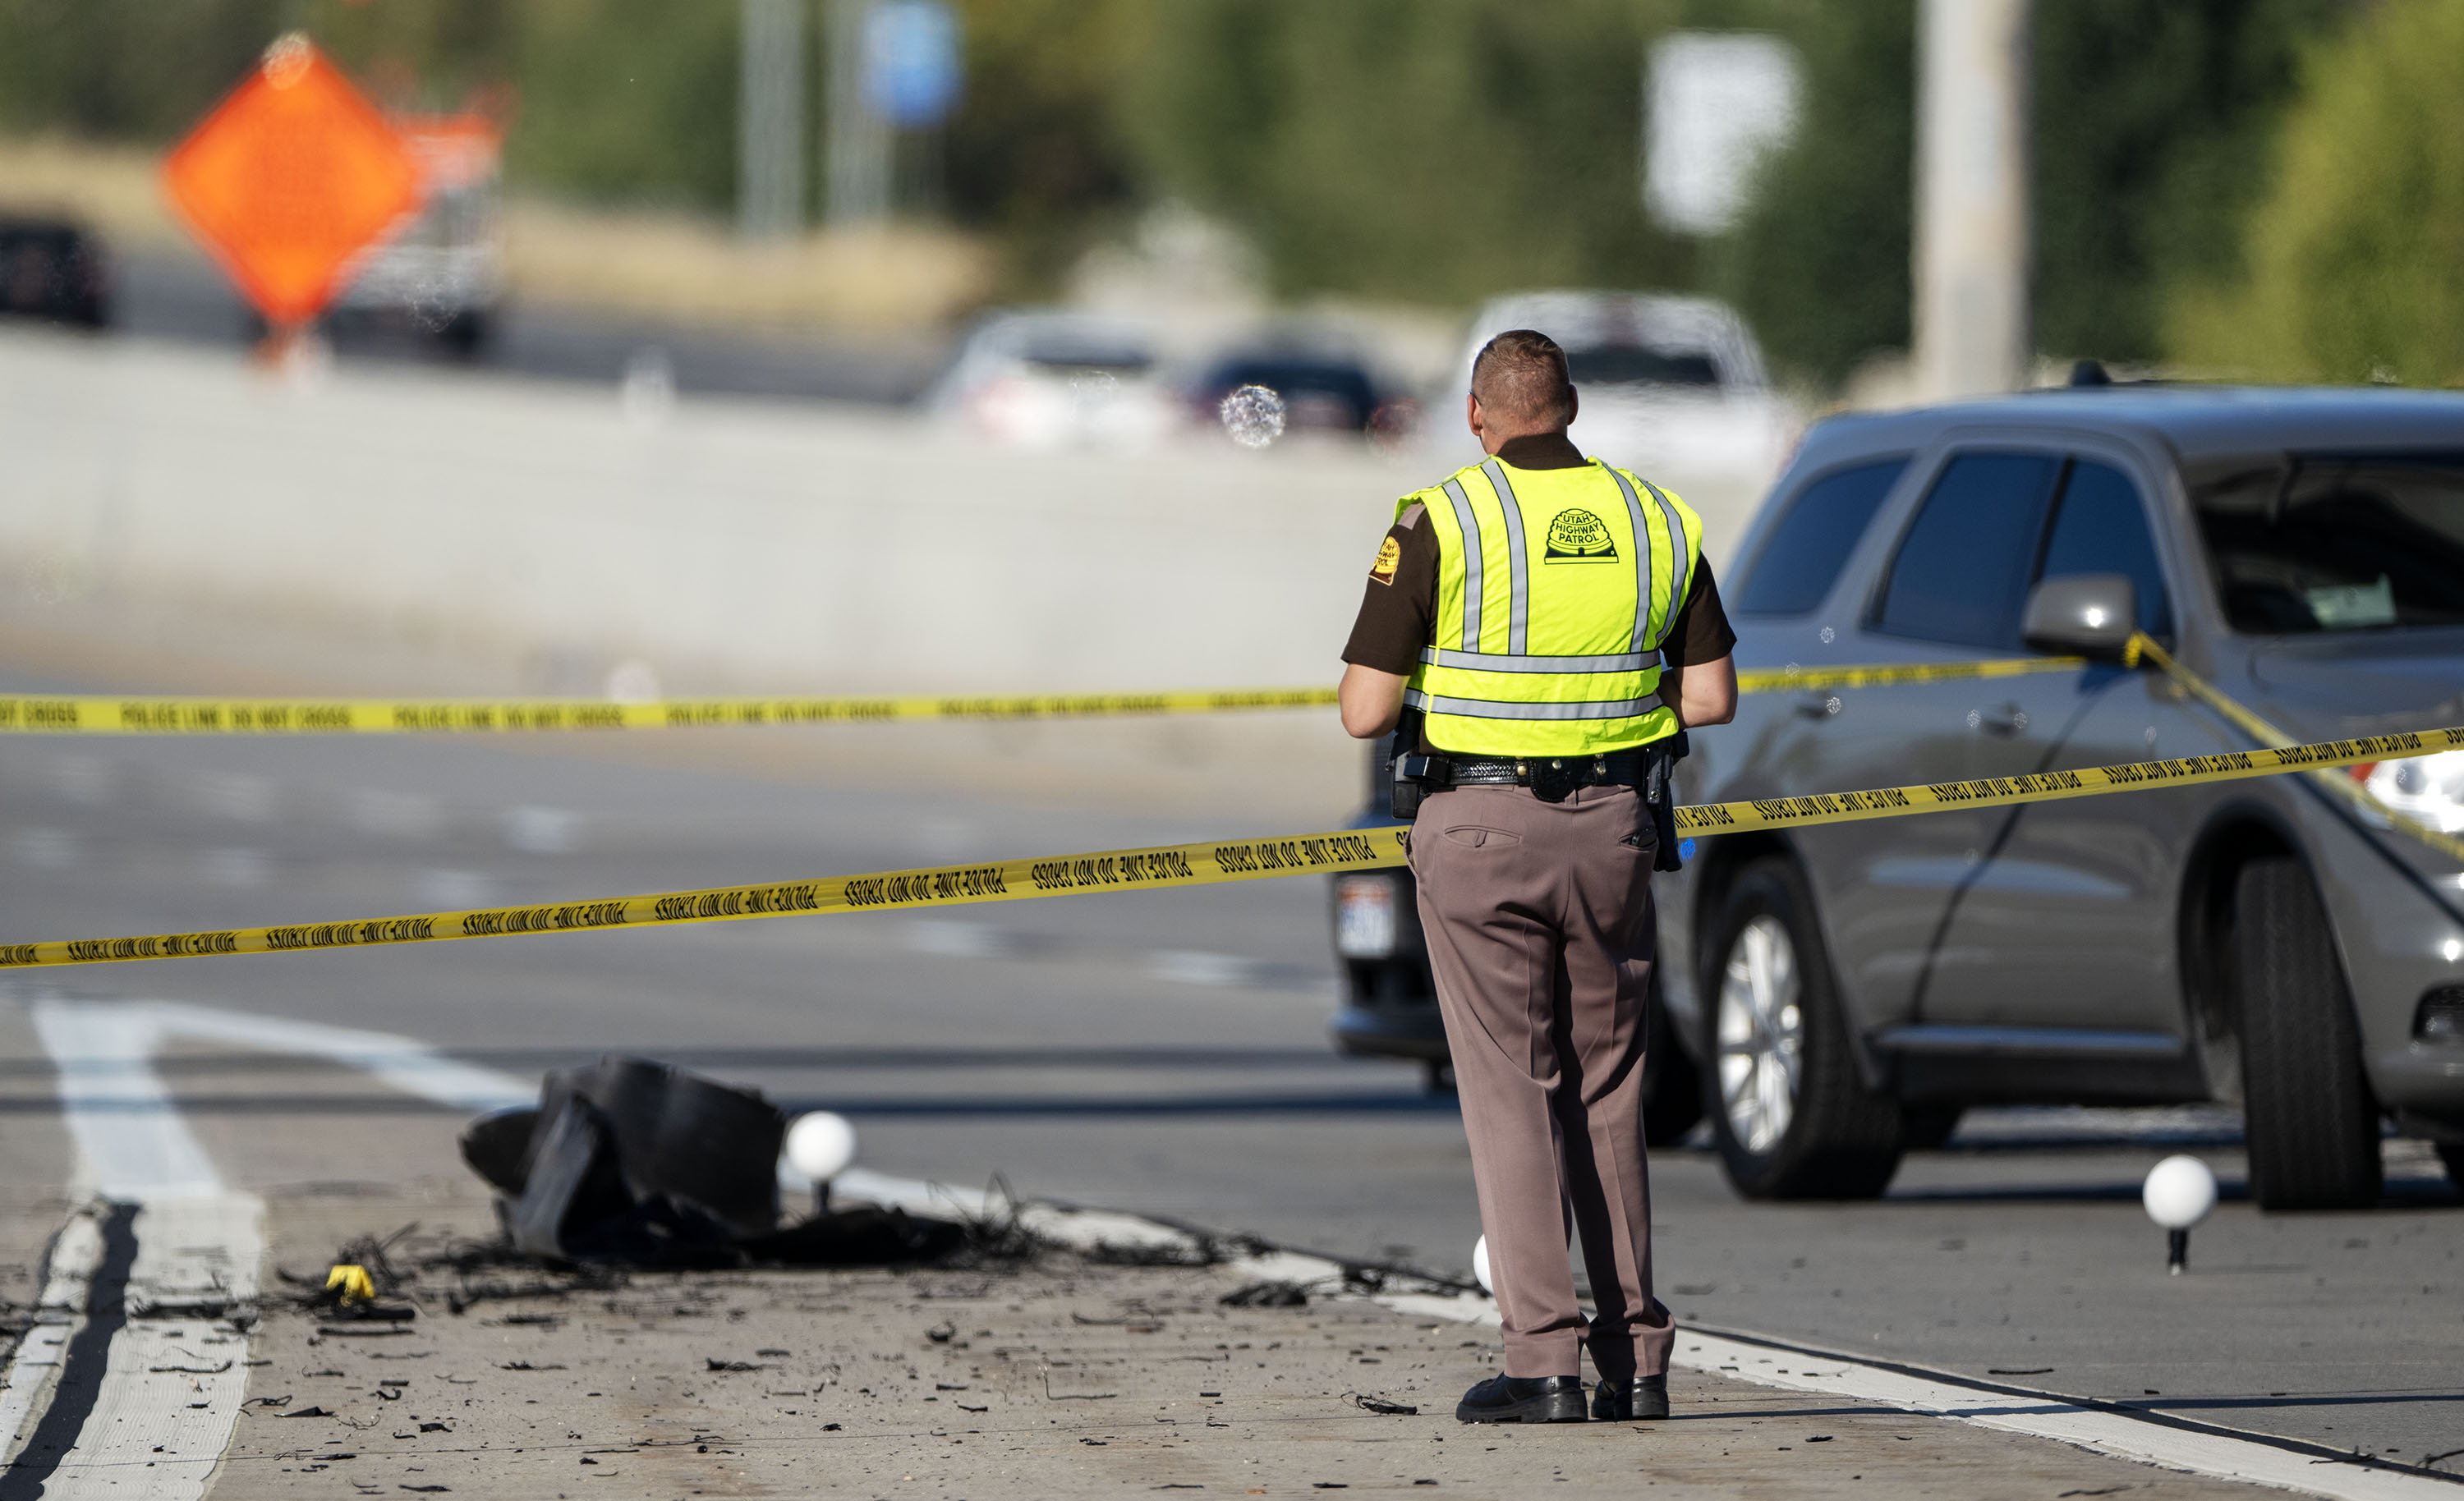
pixel 2200 1450
pixel 405 1063
pixel 165 1401
pixel 173 1391
pixel 132 1145
pixel 34 1367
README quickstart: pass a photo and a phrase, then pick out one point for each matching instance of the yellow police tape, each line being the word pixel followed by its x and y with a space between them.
pixel 2341 786
pixel 1170 868
pixel 1780 679
pixel 104 714
pixel 100 714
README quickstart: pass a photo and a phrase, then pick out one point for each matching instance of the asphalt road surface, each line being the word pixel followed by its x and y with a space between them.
pixel 184 297
pixel 1163 1052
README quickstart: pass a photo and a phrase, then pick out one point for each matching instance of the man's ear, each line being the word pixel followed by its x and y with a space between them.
pixel 1472 415
pixel 1574 405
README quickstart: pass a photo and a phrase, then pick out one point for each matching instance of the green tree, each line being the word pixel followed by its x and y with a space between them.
pixel 1820 266
pixel 2150 125
pixel 2354 265
pixel 140 70
pixel 1033 155
pixel 1437 149
pixel 625 99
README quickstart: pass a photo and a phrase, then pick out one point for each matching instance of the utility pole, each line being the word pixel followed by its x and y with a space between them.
pixel 1974 228
pixel 859 141
pixel 770 119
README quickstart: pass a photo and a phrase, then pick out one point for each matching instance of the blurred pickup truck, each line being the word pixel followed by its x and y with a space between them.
pixel 1672 387
pixel 441 272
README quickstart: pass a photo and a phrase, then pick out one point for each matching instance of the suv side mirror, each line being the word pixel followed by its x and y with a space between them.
pixel 2087 615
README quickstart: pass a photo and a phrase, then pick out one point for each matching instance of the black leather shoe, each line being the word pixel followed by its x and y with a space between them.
pixel 1522 1399
pixel 1628 1401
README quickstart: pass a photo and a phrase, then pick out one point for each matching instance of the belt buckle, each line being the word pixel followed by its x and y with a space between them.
pixel 1553 780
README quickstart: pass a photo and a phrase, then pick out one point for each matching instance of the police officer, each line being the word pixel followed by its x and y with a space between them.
pixel 1543 626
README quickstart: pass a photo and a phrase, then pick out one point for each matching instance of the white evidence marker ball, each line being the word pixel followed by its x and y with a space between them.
pixel 2178 1194
pixel 1480 1265
pixel 820 1145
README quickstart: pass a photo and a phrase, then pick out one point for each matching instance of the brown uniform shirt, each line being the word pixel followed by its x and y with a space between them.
pixel 1398 606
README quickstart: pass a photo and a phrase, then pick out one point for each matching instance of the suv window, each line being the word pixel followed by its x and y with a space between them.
pixel 1811 544
pixel 1962 570
pixel 2101 527
pixel 2334 542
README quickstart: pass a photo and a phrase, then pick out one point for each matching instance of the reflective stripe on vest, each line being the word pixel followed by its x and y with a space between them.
pixel 1558 585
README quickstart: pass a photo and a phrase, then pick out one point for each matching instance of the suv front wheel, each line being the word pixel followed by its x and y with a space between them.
pixel 1789 1112
pixel 2312 1123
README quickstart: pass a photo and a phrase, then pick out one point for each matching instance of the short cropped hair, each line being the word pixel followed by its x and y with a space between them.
pixel 1520 377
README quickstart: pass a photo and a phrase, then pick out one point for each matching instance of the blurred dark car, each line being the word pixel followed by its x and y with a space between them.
pixel 52 269
pixel 1322 392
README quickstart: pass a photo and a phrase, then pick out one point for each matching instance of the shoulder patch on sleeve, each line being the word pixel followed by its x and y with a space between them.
pixel 1390 554
pixel 1410 515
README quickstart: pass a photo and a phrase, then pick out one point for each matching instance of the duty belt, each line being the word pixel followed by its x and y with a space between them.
pixel 1557 774
pixel 1649 770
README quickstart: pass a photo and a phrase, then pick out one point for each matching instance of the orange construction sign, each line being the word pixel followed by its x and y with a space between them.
pixel 290 179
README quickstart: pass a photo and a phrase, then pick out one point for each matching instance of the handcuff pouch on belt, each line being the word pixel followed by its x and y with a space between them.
pixel 1413 775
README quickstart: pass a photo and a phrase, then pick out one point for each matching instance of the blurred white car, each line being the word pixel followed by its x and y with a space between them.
pixel 1054 378
pixel 1671 385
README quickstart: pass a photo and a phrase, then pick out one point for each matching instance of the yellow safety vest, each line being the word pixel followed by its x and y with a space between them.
pixel 1556 588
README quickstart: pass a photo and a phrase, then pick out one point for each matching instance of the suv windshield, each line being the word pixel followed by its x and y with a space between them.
pixel 2334 542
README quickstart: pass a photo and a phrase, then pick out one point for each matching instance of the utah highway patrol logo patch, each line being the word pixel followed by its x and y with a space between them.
pixel 1578 536
pixel 1389 554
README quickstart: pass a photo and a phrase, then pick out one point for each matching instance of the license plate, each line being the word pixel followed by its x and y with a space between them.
pixel 1364 917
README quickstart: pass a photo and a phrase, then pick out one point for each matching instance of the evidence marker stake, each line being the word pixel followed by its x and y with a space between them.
pixel 2179 1192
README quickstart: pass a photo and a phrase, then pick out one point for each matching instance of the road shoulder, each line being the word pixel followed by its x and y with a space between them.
pixel 1056 1376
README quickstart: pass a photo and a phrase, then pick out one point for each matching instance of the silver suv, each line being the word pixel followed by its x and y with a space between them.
pixel 1849 989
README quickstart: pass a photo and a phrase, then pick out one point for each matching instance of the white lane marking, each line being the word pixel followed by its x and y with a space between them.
pixel 960 940
pixel 542 831
pixel 173 1391
pixel 83 779
pixel 47 849
pixel 167 1398
pixel 1083 1230
pixel 241 867
pixel 1191 967
pixel 2047 1417
pixel 405 816
pixel 455 888
pixel 34 1368
pixel 405 1063
pixel 236 795
pixel 131 1142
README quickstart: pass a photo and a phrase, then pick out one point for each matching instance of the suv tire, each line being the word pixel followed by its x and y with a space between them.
pixel 2311 1121
pixel 1790 1113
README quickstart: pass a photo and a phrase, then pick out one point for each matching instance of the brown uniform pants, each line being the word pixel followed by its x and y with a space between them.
pixel 1540 930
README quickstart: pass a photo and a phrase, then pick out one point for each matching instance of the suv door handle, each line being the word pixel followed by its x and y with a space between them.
pixel 2002 719
pixel 1818 705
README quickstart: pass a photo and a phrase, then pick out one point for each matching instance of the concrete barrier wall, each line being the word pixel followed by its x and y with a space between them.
pixel 736 547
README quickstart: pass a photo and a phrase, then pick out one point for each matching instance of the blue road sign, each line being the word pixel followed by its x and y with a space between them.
pixel 911 61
